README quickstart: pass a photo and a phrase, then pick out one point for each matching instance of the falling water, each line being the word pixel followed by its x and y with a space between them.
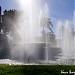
pixel 74 34
pixel 22 39
pixel 25 31
pixel 59 33
pixel 67 43
pixel 46 15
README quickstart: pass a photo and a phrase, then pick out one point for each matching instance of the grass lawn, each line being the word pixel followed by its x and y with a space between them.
pixel 34 69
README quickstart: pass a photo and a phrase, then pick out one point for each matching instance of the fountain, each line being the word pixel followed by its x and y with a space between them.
pixel 25 44
pixel 32 40
pixel 27 48
pixel 67 43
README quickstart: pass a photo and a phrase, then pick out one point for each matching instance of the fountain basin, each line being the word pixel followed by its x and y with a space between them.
pixel 35 52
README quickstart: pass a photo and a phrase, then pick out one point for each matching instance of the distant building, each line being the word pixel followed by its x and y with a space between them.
pixel 0 14
pixel 0 20
pixel 0 10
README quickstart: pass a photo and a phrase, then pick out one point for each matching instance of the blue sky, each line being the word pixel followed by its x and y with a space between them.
pixel 58 9
pixel 8 4
pixel 62 9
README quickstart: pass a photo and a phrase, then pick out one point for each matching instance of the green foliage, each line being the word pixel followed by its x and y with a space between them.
pixel 34 69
